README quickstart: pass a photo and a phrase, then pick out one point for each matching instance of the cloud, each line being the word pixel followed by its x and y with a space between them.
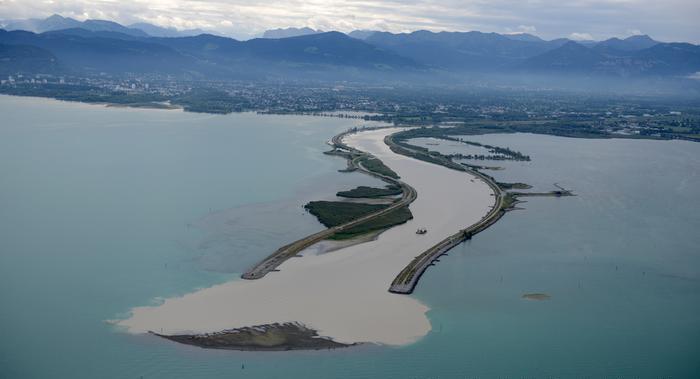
pixel 527 29
pixel 670 20
pixel 530 29
pixel 580 36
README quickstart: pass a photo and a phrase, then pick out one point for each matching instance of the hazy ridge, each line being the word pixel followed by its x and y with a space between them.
pixel 64 45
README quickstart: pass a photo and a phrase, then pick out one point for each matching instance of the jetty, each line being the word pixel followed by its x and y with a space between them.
pixel 406 281
pixel 355 158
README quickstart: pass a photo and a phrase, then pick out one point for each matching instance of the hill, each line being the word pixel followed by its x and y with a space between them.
pixel 570 57
pixel 26 60
pixel 633 43
pixel 616 59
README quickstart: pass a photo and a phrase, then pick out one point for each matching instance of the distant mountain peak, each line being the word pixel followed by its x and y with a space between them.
pixel 573 45
pixel 633 43
pixel 289 32
pixel 331 33
pixel 527 37
pixel 56 17
pixel 640 37
pixel 571 56
pixel 361 34
pixel 58 22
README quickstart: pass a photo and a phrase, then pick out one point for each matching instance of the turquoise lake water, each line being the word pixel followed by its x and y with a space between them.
pixel 103 209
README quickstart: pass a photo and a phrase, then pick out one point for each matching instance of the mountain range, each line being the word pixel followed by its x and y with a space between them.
pixel 207 56
pixel 57 22
pixel 96 46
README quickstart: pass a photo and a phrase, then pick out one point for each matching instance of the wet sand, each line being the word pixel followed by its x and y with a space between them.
pixel 343 294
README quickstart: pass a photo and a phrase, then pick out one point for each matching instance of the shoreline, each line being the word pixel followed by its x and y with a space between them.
pixel 322 291
pixel 336 113
pixel 155 106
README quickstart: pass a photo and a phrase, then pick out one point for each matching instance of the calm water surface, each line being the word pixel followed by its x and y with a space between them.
pixel 105 209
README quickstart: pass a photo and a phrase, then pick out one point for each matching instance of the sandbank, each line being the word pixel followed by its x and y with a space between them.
pixel 344 294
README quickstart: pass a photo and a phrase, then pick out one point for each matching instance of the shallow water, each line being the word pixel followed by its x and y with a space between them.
pixel 105 209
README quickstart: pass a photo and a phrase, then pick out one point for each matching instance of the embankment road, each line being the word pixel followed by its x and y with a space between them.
pixel 406 281
pixel 291 250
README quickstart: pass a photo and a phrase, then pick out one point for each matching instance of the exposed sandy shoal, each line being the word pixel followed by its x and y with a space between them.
pixel 327 246
pixel 343 294
pixel 536 296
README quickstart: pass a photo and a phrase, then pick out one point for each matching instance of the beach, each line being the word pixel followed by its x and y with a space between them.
pixel 342 294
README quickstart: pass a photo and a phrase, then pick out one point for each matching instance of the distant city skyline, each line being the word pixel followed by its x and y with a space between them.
pixel 675 20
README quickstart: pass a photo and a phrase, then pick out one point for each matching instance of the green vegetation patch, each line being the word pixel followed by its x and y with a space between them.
pixel 271 337
pixel 509 200
pixel 557 128
pixel 207 100
pixel 84 93
pixel 386 221
pixel 509 186
pixel 423 154
pixel 334 213
pixel 500 153
pixel 370 192
pixel 375 165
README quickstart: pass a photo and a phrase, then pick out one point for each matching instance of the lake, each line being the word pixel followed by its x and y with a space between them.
pixel 103 209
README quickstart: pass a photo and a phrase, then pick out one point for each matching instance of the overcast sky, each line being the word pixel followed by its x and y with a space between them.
pixel 666 20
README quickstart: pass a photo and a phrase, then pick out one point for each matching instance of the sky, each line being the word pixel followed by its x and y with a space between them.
pixel 665 20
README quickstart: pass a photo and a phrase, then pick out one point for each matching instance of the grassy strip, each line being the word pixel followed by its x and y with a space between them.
pixel 509 186
pixel 502 153
pixel 402 147
pixel 334 213
pixel 564 128
pixel 394 218
pixel 509 201
pixel 370 192
pixel 375 165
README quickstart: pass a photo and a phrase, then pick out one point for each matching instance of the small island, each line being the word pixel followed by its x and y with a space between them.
pixel 363 192
pixel 334 213
pixel 536 296
pixel 270 337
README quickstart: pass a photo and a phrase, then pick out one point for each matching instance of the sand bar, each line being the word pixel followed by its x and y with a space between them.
pixel 343 295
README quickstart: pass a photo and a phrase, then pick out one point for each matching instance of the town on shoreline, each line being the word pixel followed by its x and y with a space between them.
pixel 488 110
